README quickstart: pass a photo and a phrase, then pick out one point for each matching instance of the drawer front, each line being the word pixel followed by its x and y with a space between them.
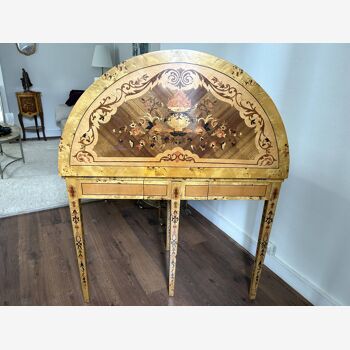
pixel 196 191
pixel 157 190
pixel 226 190
pixel 117 189
pixel 161 190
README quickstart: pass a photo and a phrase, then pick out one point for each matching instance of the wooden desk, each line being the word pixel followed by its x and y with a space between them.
pixel 29 105
pixel 174 125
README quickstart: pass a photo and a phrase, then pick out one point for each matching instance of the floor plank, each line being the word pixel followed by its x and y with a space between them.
pixel 127 262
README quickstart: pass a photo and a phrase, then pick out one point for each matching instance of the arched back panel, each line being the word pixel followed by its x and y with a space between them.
pixel 175 114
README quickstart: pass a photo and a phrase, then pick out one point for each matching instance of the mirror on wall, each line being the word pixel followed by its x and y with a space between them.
pixel 26 48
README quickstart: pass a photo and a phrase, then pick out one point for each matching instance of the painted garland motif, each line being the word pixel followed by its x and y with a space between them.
pixel 175 124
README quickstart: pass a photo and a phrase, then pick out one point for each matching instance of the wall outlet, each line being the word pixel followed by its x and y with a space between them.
pixel 271 249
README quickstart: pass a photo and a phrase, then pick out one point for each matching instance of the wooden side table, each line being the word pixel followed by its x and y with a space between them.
pixel 29 105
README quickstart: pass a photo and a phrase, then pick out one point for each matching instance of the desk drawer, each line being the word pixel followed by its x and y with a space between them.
pixel 157 189
pixel 196 191
pixel 117 189
pixel 221 191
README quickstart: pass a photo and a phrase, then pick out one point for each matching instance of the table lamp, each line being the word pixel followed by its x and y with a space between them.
pixel 102 57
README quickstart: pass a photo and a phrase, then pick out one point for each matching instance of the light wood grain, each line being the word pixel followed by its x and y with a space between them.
pixel 221 190
pixel 176 125
pixel 156 189
pixel 125 189
pixel 196 191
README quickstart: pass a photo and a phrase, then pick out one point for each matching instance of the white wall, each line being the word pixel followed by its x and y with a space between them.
pixel 310 86
pixel 3 100
pixel 124 50
pixel 54 69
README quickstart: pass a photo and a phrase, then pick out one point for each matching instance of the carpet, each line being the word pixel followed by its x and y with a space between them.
pixel 35 185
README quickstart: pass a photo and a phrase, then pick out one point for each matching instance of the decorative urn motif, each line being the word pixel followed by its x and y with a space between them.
pixel 179 104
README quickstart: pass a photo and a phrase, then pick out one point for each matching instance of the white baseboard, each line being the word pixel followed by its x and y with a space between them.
pixel 309 290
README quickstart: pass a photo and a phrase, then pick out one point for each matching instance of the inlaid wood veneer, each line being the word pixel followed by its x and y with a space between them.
pixel 157 189
pixel 119 189
pixel 224 190
pixel 174 125
pixel 196 191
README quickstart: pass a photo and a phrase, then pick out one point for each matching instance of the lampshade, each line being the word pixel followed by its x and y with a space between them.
pixel 102 57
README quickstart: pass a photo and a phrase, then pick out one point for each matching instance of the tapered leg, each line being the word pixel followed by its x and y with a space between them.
pixel 78 234
pixel 42 125
pixel 265 230
pixel 168 226
pixel 36 126
pixel 174 229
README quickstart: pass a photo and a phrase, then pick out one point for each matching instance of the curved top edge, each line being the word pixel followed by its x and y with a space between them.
pixel 168 56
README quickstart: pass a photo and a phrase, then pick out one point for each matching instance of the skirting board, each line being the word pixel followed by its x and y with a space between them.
pixel 306 288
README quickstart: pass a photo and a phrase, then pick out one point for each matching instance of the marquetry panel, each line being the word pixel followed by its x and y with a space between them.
pixel 171 110
pixel 204 113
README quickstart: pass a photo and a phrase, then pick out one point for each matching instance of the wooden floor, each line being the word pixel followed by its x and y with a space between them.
pixel 126 261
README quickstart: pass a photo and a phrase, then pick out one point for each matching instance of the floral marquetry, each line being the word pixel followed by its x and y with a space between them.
pixel 215 112
pixel 178 108
pixel 174 125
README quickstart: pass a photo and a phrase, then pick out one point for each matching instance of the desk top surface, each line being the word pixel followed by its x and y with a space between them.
pixel 175 113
